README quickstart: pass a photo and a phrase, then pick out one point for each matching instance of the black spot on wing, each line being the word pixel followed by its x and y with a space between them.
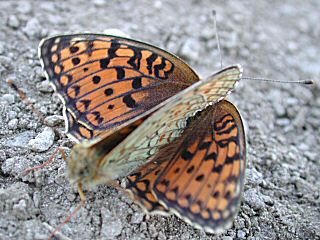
pixel 129 101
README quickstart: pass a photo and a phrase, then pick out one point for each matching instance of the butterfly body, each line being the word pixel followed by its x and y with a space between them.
pixel 131 109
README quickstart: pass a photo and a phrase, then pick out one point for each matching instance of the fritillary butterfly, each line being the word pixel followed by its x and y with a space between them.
pixel 136 110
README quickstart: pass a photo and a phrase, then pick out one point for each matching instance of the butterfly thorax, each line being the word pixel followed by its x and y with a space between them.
pixel 84 166
pixel 90 163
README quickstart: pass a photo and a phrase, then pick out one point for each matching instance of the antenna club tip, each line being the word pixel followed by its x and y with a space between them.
pixel 309 82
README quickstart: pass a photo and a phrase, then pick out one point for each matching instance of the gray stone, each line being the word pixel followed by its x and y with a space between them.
pixel 20 140
pixel 2 155
pixel 16 198
pixel 13 124
pixel 14 166
pixel 12 115
pixel 45 87
pixel 253 177
pixel 137 218
pixel 42 141
pixel 254 199
pixel 8 98
pixel 161 236
pixel 311 155
pixel 207 32
pixel 53 120
pixel 111 225
pixel 5 64
pixel 276 97
pixel 283 122
pixel 241 234
pixel 20 209
pixel 304 94
pixel 152 230
pixel 300 119
pixel 33 28
pixel 99 3
pixel 13 22
pixel 227 238
pixel 190 49
pixel 24 7
pixel 2 48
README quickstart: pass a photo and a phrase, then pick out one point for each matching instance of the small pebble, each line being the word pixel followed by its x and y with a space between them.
pixel 71 196
pixel 143 226
pixel 190 49
pixel 36 199
pixel 2 48
pixel 14 165
pixel 152 230
pixel 6 63
pixel 99 3
pixel 137 218
pixel 53 120
pixel 42 141
pixel 253 177
pixel 9 98
pixel 24 7
pixel 33 28
pixel 13 124
pixel 254 199
pixel 300 119
pixel 20 210
pixel 241 234
pixel 227 238
pixel 12 115
pixel 2 155
pixel 283 122
pixel 13 22
pixel 161 236
pixel 8 165
pixel 20 140
pixel 111 226
pixel 45 87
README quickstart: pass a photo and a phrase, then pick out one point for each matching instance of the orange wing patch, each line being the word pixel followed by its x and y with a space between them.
pixel 106 80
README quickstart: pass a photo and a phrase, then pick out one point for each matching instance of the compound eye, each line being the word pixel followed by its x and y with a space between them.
pixel 82 172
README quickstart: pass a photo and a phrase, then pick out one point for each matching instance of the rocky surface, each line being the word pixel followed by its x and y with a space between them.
pixel 273 39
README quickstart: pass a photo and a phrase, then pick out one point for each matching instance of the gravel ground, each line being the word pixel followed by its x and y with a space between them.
pixel 274 39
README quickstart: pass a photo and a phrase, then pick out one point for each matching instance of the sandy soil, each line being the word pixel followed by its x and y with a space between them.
pixel 274 39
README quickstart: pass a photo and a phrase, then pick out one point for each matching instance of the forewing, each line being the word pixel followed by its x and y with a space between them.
pixel 104 81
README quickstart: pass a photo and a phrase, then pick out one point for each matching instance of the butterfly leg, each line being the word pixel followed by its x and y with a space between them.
pixel 51 159
pixel 72 214
pixel 116 184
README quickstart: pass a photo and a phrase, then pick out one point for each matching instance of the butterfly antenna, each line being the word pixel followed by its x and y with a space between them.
pixel 307 82
pixel 214 13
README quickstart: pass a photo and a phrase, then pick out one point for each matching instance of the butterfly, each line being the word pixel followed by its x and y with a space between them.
pixel 139 112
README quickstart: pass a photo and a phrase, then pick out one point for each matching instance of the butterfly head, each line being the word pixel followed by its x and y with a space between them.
pixel 83 166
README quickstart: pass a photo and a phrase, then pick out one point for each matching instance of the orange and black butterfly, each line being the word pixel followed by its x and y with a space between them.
pixel 139 112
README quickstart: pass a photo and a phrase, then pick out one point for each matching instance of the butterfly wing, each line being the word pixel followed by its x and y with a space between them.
pixel 104 81
pixel 201 175
pixel 168 122
pixel 140 184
